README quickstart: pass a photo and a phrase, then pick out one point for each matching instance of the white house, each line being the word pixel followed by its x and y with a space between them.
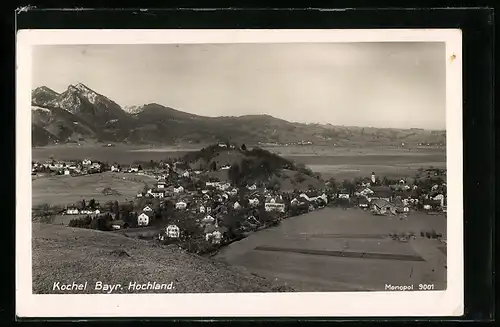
pixel 343 195
pixel 294 202
pixel 158 194
pixel 273 206
pixel 67 172
pixel 139 195
pixel 115 168
pixel 305 196
pixel 161 184
pixel 72 211
pixel 234 191
pixel 224 186
pixel 172 231
pixel 179 189
pixel 202 209
pixel 236 205
pixel 225 167
pixel 147 209
pixel 86 212
pixel 143 219
pixel 365 192
pixel 252 187
pixel 324 197
pixel 181 205
pixel 185 174
pixel 222 145
pixel 253 202
pixel 86 162
pixel 208 220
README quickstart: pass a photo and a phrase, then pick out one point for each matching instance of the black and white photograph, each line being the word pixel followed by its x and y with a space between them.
pixel 230 170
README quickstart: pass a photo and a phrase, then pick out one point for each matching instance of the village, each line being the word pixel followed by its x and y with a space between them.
pixel 201 213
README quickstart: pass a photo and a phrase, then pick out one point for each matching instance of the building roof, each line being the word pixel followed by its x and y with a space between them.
pixel 381 203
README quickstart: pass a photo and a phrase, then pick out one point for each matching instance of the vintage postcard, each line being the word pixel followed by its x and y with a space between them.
pixel 226 173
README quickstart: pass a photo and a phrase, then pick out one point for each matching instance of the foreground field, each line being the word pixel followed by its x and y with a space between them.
pixel 344 250
pixel 61 189
pixel 67 255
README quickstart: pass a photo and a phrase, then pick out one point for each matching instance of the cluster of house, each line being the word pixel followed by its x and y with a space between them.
pixel 76 211
pixel 398 198
pixel 72 167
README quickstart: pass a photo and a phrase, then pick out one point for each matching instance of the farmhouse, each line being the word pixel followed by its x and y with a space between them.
pixel 179 189
pixel 274 205
pixel 147 209
pixel 144 218
pixel 181 205
pixel 383 207
pixel 172 231
pixel 157 194
pixel 365 191
pixel 236 205
pixel 208 220
pixel 343 195
pixel 72 211
pixel 214 234
pixel 252 187
pixel 431 204
pixel 253 202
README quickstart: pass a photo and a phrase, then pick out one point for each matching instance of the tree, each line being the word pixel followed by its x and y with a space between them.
pixel 83 204
pixel 243 147
pixel 92 204
pixel 234 173
pixel 213 166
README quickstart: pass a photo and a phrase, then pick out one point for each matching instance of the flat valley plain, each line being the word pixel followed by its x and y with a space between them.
pixel 330 161
pixel 345 250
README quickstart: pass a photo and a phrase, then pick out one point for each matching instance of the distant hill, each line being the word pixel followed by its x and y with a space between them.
pixel 80 113
pixel 253 166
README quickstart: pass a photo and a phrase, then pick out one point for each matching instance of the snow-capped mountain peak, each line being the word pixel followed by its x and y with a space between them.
pixel 85 91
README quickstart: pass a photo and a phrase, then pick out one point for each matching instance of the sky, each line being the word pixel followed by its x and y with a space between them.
pixel 400 85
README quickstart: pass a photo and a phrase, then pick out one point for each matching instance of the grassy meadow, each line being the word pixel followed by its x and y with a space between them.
pixel 57 190
pixel 351 231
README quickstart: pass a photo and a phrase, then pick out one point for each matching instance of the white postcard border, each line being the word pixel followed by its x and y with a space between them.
pixel 321 304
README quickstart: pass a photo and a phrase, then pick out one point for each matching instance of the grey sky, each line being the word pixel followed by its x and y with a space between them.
pixel 359 84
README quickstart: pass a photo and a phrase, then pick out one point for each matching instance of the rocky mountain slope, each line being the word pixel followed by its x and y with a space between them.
pixel 80 114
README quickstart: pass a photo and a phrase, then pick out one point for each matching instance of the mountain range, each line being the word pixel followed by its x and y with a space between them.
pixel 80 114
